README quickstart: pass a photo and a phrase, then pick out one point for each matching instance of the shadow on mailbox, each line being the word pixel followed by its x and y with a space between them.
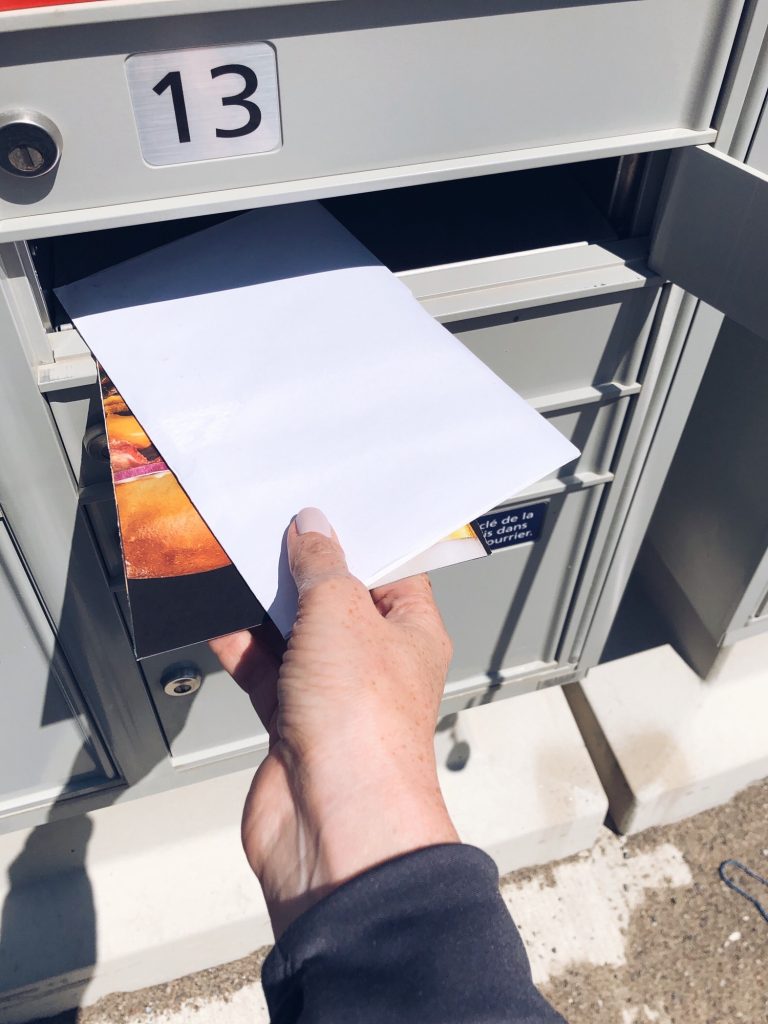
pixel 50 930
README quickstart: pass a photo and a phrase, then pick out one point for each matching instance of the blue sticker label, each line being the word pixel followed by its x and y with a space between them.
pixel 509 526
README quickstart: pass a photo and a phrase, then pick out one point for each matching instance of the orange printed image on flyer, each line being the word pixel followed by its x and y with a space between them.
pixel 182 587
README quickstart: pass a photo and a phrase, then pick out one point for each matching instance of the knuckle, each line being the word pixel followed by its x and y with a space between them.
pixel 329 586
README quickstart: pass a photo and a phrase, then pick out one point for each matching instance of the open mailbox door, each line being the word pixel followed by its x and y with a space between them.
pixel 711 234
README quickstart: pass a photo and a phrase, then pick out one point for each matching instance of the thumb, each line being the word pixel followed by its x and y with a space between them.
pixel 314 552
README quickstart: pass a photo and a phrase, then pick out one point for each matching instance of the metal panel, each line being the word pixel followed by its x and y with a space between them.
pixel 647 449
pixel 567 346
pixel 594 429
pixel 48 744
pixel 77 411
pixel 752 611
pixel 745 82
pixel 246 197
pixel 519 597
pixel 679 358
pixel 704 560
pixel 758 153
pixel 711 232
pixel 215 721
pixel 403 60
pixel 525 280
pixel 712 523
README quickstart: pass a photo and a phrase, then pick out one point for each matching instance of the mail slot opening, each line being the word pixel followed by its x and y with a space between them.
pixel 409 228
pixel 476 218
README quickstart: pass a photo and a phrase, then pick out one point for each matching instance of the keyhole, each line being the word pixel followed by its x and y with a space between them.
pixel 26 159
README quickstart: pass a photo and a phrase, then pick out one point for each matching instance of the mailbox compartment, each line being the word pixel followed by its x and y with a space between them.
pixel 367 92
pixel 50 746
pixel 414 231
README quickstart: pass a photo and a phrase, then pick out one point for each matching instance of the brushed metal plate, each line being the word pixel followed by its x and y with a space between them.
pixel 208 103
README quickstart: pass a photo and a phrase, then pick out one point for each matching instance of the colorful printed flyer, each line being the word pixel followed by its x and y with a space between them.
pixel 181 586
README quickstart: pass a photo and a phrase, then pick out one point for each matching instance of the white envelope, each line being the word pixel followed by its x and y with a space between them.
pixel 275 363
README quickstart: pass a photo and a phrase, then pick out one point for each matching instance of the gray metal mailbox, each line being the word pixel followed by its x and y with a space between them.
pixel 540 175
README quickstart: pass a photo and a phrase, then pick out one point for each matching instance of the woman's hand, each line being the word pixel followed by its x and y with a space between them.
pixel 350 706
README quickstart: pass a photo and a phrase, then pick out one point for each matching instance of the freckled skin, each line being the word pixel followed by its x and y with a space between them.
pixel 350 706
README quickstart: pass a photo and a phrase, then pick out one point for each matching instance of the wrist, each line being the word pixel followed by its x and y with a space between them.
pixel 391 806
pixel 350 822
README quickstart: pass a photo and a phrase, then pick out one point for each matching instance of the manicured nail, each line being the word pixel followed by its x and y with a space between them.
pixel 312 520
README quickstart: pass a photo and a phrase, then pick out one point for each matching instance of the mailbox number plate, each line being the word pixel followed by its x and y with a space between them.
pixel 205 104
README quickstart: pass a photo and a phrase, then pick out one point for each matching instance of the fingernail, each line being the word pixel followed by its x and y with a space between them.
pixel 312 520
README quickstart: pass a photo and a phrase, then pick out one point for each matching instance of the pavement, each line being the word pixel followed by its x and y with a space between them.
pixel 637 930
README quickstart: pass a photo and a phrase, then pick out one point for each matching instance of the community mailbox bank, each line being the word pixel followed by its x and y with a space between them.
pixel 560 184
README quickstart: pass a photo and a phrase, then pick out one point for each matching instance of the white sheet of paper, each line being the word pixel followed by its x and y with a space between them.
pixel 276 364
pixel 440 555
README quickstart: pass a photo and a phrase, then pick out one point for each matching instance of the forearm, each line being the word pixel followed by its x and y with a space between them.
pixel 425 937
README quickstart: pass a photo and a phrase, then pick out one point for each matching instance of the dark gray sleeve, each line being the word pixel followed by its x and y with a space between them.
pixel 424 938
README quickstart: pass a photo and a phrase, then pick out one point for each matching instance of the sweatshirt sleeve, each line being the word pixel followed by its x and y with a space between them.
pixel 425 937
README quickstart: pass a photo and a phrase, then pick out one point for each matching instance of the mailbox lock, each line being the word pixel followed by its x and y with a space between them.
pixel 181 680
pixel 30 144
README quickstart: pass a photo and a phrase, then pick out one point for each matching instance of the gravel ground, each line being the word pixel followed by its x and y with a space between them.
pixel 638 930
pixel 191 993
pixel 696 954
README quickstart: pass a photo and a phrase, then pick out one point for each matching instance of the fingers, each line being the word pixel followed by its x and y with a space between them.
pixel 314 552
pixel 229 650
pixel 253 661
pixel 407 600
pixel 410 603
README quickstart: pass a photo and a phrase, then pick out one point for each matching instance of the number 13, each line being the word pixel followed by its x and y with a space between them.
pixel 172 81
